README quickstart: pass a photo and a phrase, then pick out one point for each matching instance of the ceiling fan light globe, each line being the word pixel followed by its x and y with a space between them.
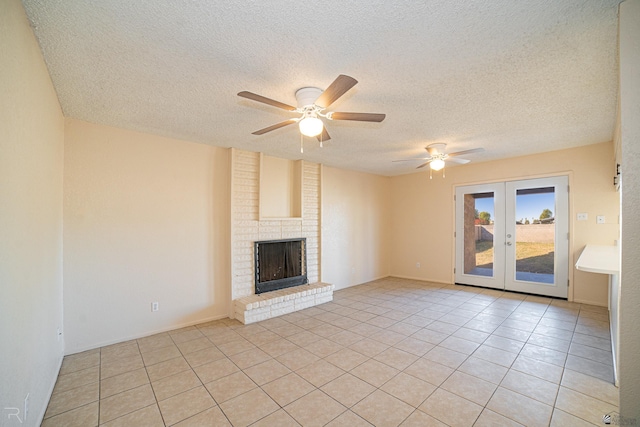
pixel 437 164
pixel 311 126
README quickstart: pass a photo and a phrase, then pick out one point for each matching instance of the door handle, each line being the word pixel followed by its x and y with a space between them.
pixel 509 243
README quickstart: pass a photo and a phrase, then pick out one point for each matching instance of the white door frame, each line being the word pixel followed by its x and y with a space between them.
pixel 496 280
pixel 504 207
pixel 559 287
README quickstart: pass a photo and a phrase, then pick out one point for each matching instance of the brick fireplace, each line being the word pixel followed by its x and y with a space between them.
pixel 247 228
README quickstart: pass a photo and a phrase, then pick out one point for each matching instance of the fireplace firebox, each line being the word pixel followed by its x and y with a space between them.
pixel 280 264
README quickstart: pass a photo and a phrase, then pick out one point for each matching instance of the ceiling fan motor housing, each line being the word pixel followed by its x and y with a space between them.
pixel 436 148
pixel 307 96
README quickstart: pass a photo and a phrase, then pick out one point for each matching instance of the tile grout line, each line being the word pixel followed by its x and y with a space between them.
pixel 392 295
pixel 157 403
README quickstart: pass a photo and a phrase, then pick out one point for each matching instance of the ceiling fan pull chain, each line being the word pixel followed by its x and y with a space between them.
pixel 430 173
pixel 301 146
pixel 443 171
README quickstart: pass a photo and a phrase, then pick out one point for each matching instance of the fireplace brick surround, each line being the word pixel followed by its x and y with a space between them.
pixel 255 308
pixel 246 228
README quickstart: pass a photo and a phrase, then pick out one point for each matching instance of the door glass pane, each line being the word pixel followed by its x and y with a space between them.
pixel 478 234
pixel 535 234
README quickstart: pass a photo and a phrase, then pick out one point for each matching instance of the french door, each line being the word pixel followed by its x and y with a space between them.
pixel 514 235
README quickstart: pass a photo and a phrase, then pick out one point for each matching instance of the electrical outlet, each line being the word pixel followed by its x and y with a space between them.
pixel 417 265
pixel 583 217
pixel 600 219
pixel 155 306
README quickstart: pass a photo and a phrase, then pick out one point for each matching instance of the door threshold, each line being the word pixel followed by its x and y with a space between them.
pixel 512 292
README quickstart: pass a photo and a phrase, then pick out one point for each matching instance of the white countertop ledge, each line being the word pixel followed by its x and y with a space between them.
pixel 599 259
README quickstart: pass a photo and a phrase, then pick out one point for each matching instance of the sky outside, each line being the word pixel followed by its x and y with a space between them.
pixel 527 206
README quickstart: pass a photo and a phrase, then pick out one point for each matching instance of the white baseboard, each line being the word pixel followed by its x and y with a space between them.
pixel 598 304
pixel 148 333
pixel 358 284
pixel 420 279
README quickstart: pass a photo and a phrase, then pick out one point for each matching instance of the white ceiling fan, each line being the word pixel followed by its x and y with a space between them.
pixel 312 103
pixel 437 156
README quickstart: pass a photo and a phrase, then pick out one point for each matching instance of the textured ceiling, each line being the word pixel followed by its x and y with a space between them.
pixel 513 77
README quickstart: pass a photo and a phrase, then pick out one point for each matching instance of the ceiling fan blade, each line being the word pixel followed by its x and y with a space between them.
pixel 324 136
pixel 360 117
pixel 459 153
pixel 335 90
pixel 274 127
pixel 255 97
pixel 425 164
pixel 457 160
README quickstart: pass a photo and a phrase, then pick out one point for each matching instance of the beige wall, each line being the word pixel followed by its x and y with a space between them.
pixel 146 219
pixel 630 277
pixel 31 163
pixel 423 212
pixel 280 188
pixel 355 227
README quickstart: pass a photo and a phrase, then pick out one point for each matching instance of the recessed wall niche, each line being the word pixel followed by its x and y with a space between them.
pixel 280 188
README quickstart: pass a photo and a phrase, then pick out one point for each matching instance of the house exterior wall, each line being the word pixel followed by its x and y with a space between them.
pixel 470 233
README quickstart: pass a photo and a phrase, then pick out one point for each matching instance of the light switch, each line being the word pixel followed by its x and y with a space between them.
pixel 583 216
pixel 600 219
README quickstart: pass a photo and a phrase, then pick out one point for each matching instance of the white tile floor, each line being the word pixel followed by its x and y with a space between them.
pixel 387 353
